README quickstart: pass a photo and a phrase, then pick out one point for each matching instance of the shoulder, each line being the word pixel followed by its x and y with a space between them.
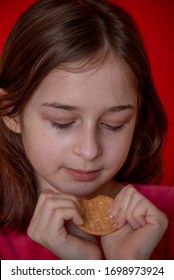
pixel 18 246
pixel 163 198
pixel 7 241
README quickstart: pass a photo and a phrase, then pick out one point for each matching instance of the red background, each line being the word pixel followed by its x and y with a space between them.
pixel 156 21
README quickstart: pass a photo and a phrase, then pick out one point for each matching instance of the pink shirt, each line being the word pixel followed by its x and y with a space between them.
pixel 15 246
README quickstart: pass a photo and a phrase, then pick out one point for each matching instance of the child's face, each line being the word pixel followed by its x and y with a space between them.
pixel 78 127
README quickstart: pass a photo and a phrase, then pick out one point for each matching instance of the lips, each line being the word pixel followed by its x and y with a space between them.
pixel 82 175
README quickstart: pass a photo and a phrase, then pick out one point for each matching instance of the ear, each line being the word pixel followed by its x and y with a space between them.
pixel 13 123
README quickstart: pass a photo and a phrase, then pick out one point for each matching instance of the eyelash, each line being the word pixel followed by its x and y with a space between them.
pixel 114 128
pixel 68 125
pixel 61 126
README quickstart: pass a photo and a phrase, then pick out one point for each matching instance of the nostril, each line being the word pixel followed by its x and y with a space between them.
pixel 88 148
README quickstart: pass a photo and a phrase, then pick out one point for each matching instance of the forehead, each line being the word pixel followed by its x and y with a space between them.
pixel 111 78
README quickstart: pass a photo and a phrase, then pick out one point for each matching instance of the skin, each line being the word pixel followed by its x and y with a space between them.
pixel 77 130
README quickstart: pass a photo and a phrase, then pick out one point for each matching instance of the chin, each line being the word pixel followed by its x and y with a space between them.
pixel 84 191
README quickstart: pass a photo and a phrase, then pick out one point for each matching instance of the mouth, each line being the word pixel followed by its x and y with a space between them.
pixel 83 175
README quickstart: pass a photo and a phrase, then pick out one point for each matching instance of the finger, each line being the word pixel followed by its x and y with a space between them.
pixel 125 208
pixel 57 221
pixel 121 201
pixel 120 219
pixel 45 211
pixel 136 211
pixel 55 226
pixel 140 210
pixel 48 196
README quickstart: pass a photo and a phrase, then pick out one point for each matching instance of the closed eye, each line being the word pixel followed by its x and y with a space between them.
pixel 67 125
pixel 113 128
pixel 61 125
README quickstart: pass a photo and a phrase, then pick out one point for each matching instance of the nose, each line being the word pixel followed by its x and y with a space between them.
pixel 88 145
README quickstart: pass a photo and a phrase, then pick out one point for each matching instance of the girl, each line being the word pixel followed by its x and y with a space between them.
pixel 80 116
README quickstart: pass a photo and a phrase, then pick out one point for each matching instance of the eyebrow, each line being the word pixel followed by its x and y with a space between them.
pixel 56 105
pixel 66 107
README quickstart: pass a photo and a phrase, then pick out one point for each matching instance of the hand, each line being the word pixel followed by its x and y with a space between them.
pixel 48 227
pixel 140 226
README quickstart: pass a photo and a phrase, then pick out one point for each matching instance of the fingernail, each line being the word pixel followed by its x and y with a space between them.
pixel 112 213
pixel 116 224
pixel 135 227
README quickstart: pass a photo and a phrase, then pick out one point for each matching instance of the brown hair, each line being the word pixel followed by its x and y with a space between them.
pixel 55 33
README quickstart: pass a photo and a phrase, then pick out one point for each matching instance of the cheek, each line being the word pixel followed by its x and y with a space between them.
pixel 118 155
pixel 40 150
pixel 117 152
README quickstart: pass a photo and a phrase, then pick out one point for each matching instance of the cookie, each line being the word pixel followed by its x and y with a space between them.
pixel 96 218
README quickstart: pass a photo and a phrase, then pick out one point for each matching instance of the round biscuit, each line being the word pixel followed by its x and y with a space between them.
pixel 96 218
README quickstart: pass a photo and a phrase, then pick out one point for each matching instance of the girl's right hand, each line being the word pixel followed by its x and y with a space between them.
pixel 47 227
